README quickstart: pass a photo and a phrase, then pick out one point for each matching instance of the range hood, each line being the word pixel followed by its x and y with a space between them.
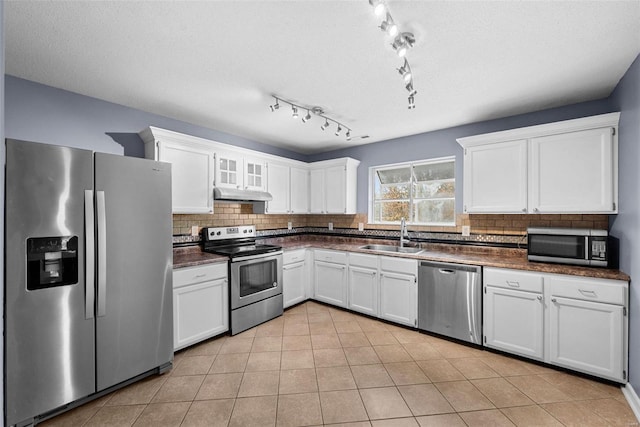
pixel 237 195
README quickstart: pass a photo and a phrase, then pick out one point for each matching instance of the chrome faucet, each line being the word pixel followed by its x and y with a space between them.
pixel 404 234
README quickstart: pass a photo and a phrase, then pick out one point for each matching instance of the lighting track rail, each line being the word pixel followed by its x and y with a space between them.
pixel 316 111
pixel 402 42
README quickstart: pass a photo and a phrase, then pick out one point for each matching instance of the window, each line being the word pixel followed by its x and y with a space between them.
pixel 422 192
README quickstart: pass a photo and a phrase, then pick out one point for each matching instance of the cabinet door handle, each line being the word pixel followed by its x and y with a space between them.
pixel 588 293
pixel 513 284
pixel 539 297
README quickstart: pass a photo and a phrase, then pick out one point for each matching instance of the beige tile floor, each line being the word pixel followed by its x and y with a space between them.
pixel 320 365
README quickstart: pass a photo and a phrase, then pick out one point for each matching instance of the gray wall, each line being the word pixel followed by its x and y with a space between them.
pixel 443 143
pixel 626 225
pixel 40 113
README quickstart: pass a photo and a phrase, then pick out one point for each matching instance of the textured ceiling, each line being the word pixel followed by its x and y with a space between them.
pixel 217 63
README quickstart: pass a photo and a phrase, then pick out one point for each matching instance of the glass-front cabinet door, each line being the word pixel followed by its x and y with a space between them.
pixel 228 171
pixel 254 175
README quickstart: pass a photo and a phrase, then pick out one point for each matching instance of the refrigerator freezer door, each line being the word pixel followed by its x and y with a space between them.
pixel 135 334
pixel 49 341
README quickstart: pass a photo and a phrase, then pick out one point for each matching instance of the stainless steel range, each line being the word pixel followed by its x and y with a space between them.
pixel 255 274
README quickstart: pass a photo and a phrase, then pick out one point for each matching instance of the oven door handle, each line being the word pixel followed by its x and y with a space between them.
pixel 258 256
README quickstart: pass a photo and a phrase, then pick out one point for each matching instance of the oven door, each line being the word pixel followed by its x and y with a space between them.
pixel 254 278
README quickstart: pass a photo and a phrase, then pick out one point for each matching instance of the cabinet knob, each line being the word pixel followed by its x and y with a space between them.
pixel 539 297
pixel 553 300
pixel 524 209
pixel 535 209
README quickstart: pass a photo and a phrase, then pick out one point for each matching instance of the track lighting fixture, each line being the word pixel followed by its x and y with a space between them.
pixel 378 7
pixel 389 26
pixel 317 111
pixel 402 42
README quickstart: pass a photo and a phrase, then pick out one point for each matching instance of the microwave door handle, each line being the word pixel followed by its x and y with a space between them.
pixel 89 253
pixel 587 248
pixel 102 254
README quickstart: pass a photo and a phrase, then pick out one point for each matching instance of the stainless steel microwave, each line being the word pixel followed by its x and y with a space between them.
pixel 576 246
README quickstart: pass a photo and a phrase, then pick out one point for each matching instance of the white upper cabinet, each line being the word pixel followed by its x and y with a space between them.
pixel 495 178
pixel 572 172
pixel 297 187
pixel 563 167
pixel 289 186
pixel 192 170
pixel 255 173
pixel 228 170
pixel 333 186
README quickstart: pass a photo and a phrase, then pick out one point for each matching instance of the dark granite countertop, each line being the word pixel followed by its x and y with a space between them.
pixel 485 256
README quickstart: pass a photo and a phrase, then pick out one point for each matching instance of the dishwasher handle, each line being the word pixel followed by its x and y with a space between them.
pixel 447 268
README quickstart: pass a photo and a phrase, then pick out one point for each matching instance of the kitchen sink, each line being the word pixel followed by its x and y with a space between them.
pixel 391 248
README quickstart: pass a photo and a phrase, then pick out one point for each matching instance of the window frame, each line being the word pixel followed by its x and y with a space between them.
pixel 411 164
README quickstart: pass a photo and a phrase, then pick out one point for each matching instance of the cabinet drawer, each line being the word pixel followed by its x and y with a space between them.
pixel 289 257
pixel 361 260
pixel 330 256
pixel 191 275
pixel 513 279
pixel 587 289
pixel 399 265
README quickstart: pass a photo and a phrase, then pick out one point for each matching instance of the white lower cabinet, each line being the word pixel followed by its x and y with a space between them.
pixel 579 323
pixel 514 312
pixel 294 277
pixel 588 326
pixel 200 304
pixel 330 277
pixel 363 283
pixel 399 290
pixel 514 321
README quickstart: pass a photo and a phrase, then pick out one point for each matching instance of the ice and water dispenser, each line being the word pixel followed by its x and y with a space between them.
pixel 52 261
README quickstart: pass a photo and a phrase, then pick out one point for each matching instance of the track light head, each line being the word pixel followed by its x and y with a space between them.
pixel 378 7
pixel 338 130
pixel 389 26
pixel 410 88
pixel 294 111
pixel 405 72
pixel 306 118
pixel 325 125
pixel 275 106
pixel 412 104
pixel 348 135
pixel 402 43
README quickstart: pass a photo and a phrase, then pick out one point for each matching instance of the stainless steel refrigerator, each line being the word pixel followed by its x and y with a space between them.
pixel 88 288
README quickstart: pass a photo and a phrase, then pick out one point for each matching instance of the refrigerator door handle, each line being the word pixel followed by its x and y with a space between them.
pixel 102 254
pixel 90 254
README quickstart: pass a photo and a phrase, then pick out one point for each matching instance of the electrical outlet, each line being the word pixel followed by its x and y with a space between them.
pixel 289 225
pixel 466 230
pixel 330 226
pixel 195 230
pixel 360 226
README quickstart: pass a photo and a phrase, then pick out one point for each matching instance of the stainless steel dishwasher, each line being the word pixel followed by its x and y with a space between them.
pixel 450 300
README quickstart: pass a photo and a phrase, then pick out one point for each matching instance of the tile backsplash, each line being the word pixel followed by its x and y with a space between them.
pixel 228 214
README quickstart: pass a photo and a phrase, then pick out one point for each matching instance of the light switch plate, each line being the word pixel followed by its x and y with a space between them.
pixel 195 230
pixel 466 230
pixel 289 225
pixel 330 226
pixel 360 226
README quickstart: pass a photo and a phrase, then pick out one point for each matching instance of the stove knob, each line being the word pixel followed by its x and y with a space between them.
pixel 244 231
pixel 218 233
pixel 211 234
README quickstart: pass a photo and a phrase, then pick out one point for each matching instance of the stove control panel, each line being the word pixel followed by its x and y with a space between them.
pixel 223 233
